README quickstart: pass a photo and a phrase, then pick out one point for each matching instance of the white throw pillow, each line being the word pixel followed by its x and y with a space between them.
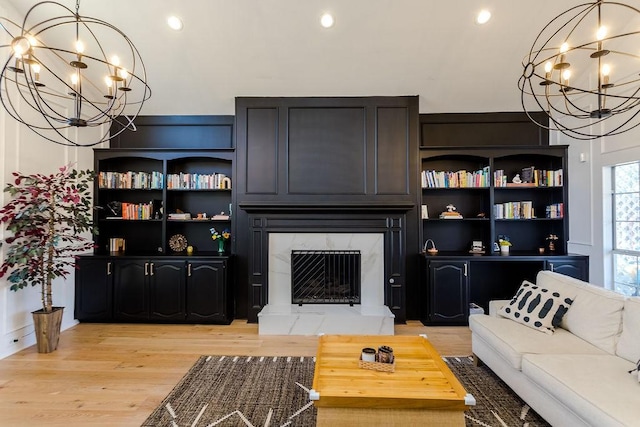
pixel 537 307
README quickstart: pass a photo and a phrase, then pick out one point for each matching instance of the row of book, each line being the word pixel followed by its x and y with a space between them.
pixel 525 210
pixel 555 210
pixel 532 177
pixel 459 179
pixel 198 181
pixel 130 180
pixel 137 210
pixel 514 210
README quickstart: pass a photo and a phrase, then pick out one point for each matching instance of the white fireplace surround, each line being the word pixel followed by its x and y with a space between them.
pixel 281 317
pixel 370 245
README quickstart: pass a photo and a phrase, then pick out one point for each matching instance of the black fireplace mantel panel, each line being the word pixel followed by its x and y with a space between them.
pixel 342 157
pixel 327 150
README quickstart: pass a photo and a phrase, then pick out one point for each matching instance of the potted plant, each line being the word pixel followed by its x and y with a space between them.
pixel 221 238
pixel 45 219
pixel 504 243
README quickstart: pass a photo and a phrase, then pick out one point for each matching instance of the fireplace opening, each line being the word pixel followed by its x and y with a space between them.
pixel 325 277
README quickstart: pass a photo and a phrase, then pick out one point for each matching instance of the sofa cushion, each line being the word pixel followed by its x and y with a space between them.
pixel 629 343
pixel 511 340
pixel 598 387
pixel 536 307
pixel 595 314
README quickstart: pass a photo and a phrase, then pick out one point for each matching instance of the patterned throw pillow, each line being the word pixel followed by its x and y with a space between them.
pixel 536 307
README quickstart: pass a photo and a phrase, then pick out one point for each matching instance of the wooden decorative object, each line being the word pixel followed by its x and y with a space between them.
pixel 377 366
pixel 47 328
pixel 178 243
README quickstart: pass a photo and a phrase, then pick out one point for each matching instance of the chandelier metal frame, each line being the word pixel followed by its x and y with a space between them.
pixel 593 105
pixel 35 88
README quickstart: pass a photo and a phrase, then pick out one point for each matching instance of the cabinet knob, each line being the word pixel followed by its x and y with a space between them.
pixel 551 266
pixel 146 268
pixel 151 269
pixel 189 269
pixel 465 269
pixel 109 268
pixel 392 281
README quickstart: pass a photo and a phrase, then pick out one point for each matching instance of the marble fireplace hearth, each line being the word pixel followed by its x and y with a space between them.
pixel 281 317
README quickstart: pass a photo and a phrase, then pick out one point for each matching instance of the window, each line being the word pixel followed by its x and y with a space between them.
pixel 626 228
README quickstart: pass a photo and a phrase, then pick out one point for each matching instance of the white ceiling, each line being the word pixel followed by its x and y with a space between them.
pixel 232 48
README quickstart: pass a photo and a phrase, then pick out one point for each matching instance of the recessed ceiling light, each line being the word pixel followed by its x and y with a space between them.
pixel 175 23
pixel 327 20
pixel 483 17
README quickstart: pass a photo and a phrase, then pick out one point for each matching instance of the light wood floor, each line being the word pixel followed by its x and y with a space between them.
pixel 116 374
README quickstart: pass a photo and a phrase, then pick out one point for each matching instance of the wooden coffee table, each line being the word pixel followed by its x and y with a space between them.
pixel 421 391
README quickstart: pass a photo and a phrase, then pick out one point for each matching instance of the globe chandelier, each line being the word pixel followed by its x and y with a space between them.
pixel 583 71
pixel 69 71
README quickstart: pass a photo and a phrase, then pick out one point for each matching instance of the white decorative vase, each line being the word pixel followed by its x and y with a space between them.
pixel 504 250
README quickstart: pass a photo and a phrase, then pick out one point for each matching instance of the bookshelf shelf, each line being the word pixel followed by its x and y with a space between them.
pixel 529 202
pixel 195 170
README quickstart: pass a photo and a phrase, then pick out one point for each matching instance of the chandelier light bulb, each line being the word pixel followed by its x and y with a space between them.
pixel 109 82
pixel 601 33
pixel 20 46
pixel 123 73
pixel 74 80
pixel 548 66
pixel 79 47
pixel 566 75
pixel 115 61
pixel 564 47
pixel 36 68
pixel 606 71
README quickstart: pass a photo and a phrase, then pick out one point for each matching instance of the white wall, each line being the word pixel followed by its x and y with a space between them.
pixel 590 197
pixel 23 150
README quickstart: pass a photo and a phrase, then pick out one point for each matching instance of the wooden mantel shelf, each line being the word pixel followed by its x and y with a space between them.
pixel 316 207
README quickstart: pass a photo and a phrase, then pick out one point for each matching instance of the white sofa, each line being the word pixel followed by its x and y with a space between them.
pixel 578 376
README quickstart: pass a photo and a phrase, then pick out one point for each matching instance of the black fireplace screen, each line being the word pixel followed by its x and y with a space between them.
pixel 325 277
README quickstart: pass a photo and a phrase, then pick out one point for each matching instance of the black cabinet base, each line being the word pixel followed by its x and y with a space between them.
pixel 452 283
pixel 155 289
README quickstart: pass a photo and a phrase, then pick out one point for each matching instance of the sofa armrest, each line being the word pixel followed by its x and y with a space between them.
pixel 496 305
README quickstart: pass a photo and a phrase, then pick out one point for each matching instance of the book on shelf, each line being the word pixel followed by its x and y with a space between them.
pixel 198 181
pixel 180 216
pixel 527 175
pixel 555 210
pixel 130 180
pixel 514 210
pixel 450 215
pixel 530 177
pixel 137 210
pixel 424 212
pixel 458 179
pixel 499 178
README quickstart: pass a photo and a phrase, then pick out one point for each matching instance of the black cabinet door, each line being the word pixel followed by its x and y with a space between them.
pixel 206 291
pixel 94 290
pixel 131 298
pixel 448 292
pixel 166 289
pixel 578 269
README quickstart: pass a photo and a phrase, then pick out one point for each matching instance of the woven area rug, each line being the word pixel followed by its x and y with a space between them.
pixel 273 391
